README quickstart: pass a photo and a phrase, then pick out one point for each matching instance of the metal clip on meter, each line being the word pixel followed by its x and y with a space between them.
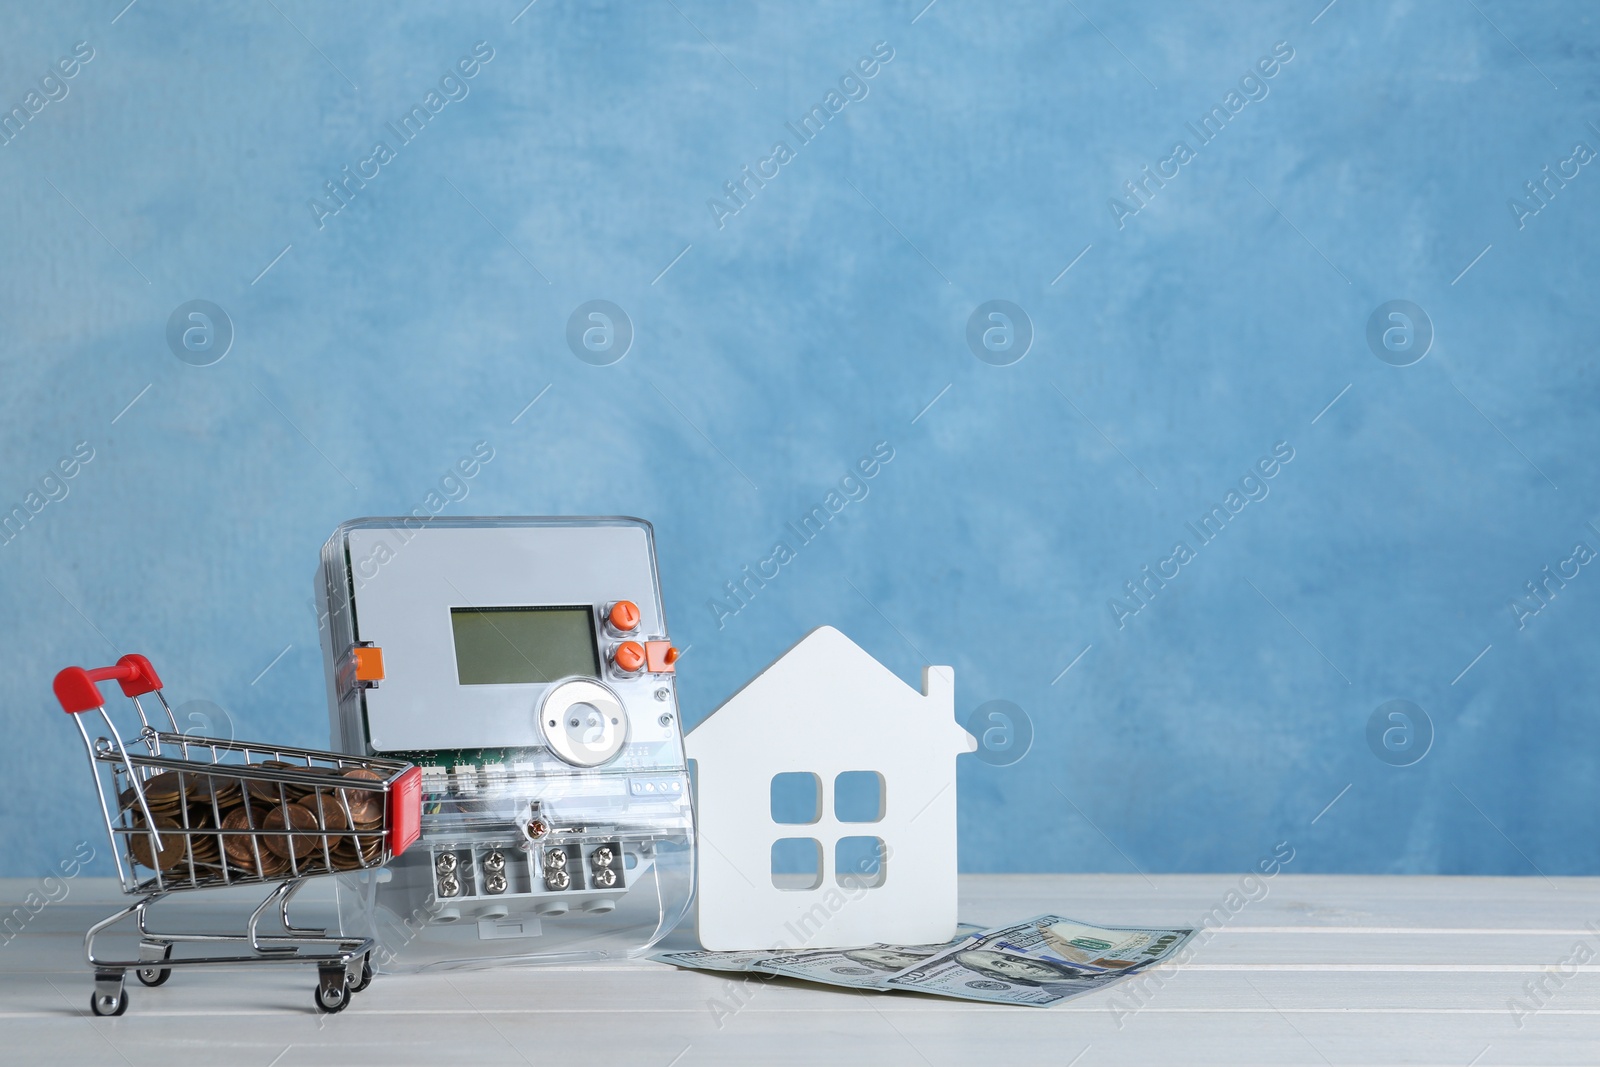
pixel 524 665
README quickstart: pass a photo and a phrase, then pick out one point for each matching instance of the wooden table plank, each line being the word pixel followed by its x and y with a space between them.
pixel 1315 970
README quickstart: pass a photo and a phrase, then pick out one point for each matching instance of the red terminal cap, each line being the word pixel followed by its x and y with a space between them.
pixel 629 656
pixel 624 616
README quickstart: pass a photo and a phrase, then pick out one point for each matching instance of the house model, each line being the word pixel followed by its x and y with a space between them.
pixel 826 804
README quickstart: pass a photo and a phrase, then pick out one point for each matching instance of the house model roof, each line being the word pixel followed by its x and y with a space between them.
pixel 828 682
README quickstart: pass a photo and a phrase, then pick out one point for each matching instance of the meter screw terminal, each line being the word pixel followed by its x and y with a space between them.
pixel 444 868
pixel 601 860
pixel 537 825
pixel 494 867
pixel 555 869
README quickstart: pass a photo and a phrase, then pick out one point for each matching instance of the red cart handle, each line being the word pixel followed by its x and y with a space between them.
pixel 77 691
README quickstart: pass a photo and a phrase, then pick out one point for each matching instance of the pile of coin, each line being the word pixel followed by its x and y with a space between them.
pixel 269 828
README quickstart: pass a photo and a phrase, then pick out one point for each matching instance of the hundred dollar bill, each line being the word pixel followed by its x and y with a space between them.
pixel 1040 961
pixel 1112 948
pixel 887 959
pixel 856 968
pixel 704 960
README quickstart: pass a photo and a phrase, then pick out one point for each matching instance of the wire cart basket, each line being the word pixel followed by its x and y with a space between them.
pixel 187 813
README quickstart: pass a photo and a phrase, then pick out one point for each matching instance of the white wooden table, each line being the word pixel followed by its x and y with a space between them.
pixel 1322 970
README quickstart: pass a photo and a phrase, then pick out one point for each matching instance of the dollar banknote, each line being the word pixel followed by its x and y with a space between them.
pixel 856 968
pixel 705 960
pixel 1040 961
pixel 1112 948
pixel 887 959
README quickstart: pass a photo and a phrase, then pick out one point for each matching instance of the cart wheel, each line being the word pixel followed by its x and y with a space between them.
pixel 333 991
pixel 366 975
pixel 154 976
pixel 109 996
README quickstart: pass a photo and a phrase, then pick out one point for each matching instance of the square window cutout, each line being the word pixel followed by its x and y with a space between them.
pixel 860 862
pixel 796 798
pixel 858 796
pixel 796 863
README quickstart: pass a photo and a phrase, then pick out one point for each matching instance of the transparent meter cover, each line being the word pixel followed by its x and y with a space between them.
pixel 524 669
pixel 530 868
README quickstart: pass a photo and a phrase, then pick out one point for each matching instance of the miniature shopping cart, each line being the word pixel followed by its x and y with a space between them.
pixel 188 813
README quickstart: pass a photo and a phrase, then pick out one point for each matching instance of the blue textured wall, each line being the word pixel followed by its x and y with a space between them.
pixel 1202 323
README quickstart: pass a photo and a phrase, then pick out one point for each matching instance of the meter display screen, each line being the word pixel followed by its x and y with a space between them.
pixel 512 646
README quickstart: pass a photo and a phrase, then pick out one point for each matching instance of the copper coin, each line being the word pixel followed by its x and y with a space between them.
pixel 272 864
pixel 290 817
pixel 205 846
pixel 163 788
pixel 327 802
pixel 264 791
pixel 353 860
pixel 202 818
pixel 347 848
pixel 297 768
pixel 321 772
pixel 158 807
pixel 142 848
pixel 206 789
pixel 366 806
pixel 264 788
pixel 241 846
pixel 186 853
pixel 350 855
pixel 371 844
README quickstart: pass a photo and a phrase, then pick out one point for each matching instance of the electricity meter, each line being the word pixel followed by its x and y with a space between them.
pixel 524 664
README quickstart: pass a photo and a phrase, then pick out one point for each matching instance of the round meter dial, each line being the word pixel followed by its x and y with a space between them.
pixel 583 722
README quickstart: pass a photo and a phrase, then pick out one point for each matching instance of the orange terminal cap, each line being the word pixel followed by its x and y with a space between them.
pixel 629 656
pixel 624 616
pixel 369 664
pixel 660 656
